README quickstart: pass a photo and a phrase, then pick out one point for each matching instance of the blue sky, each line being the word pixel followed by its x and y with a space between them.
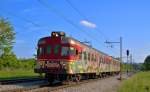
pixel 111 18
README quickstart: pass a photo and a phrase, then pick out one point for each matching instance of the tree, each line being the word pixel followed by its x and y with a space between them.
pixel 147 63
pixel 7 36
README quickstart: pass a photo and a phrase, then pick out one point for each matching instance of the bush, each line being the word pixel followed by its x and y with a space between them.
pixel 10 61
pixel 146 65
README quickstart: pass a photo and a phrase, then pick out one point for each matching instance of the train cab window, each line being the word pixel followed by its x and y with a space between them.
pixel 56 49
pixel 48 49
pixel 65 51
pixel 39 51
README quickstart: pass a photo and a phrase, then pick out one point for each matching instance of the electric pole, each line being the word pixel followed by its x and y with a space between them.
pixel 131 63
pixel 119 42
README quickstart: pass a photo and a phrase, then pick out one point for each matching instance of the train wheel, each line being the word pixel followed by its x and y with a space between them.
pixel 50 78
pixel 100 75
pixel 77 78
pixel 50 81
pixel 69 79
pixel 62 77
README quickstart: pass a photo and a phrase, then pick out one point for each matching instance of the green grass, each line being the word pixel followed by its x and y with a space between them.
pixel 17 73
pixel 140 82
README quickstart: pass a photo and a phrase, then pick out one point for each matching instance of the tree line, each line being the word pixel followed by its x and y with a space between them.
pixel 146 64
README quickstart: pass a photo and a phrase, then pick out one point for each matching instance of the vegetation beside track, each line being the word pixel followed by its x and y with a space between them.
pixel 17 73
pixel 17 68
pixel 139 82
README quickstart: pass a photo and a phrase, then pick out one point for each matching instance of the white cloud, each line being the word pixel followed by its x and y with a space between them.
pixel 88 24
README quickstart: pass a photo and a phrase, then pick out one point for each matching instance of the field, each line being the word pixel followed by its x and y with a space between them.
pixel 17 73
pixel 140 82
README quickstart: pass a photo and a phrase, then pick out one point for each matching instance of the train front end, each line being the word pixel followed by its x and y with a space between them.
pixel 55 54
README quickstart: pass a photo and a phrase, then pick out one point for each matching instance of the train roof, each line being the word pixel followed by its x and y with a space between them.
pixel 92 48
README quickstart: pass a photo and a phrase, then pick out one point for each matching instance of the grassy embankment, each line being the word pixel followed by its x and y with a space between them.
pixel 140 82
pixel 16 73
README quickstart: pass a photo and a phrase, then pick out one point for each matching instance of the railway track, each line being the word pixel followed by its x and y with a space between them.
pixel 19 80
pixel 55 88
pixel 57 85
pixel 48 88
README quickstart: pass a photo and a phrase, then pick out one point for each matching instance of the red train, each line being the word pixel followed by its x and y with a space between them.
pixel 64 58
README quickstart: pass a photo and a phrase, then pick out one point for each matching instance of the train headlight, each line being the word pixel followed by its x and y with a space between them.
pixel 38 65
pixel 63 64
pixel 72 42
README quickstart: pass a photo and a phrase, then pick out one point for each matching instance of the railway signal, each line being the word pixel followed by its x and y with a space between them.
pixel 127 52
pixel 127 65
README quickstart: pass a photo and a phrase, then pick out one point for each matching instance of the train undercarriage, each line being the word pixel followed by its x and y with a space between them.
pixel 77 77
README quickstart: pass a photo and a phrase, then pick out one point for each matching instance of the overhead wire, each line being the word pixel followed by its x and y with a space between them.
pixel 56 12
pixel 86 18
pixel 66 19
pixel 23 19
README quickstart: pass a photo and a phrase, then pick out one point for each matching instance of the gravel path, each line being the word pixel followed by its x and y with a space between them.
pixel 104 85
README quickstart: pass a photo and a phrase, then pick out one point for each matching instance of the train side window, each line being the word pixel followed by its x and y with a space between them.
pixel 85 56
pixel 68 51
pixel 77 52
pixel 101 59
pixel 92 57
pixel 72 51
pixel 80 55
pixel 89 56
pixel 48 49
pixel 95 58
